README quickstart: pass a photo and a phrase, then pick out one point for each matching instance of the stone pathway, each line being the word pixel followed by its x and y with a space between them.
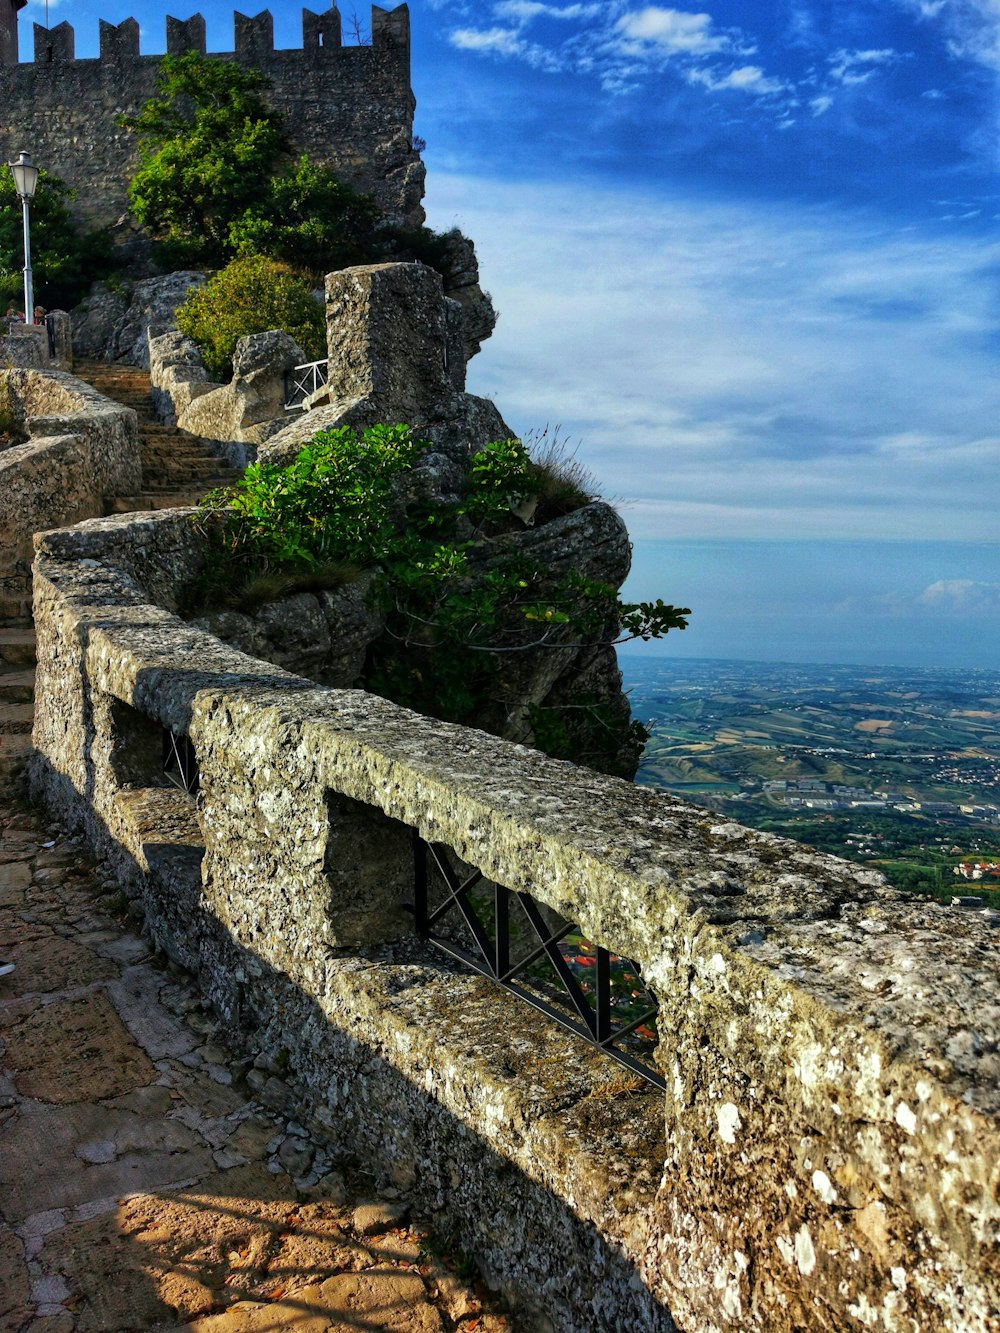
pixel 142 1186
pixel 177 468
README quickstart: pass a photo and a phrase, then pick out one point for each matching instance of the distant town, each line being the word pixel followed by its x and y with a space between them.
pixel 898 768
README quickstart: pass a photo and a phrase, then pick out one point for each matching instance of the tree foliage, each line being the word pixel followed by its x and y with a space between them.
pixel 251 295
pixel 454 623
pixel 64 259
pixel 215 179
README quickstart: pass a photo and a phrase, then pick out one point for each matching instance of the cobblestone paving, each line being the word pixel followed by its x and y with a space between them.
pixel 141 1186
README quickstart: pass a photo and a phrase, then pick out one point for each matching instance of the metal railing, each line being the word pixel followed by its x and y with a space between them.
pixel 180 763
pixel 597 995
pixel 301 382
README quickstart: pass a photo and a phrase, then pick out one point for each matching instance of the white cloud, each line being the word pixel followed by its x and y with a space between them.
pixel 820 105
pixel 743 370
pixel 674 31
pixel 852 67
pixel 500 41
pixel 747 79
pixel 971 26
pixel 505 42
pixel 523 11
pixel 962 597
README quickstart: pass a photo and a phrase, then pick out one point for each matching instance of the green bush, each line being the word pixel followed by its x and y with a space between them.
pixel 251 295
pixel 454 626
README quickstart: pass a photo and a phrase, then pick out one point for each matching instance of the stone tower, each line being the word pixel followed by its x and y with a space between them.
pixel 8 30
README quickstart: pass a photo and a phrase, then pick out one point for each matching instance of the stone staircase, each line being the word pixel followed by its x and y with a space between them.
pixel 177 469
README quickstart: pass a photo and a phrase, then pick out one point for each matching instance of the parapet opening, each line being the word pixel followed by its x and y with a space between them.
pixel 537 955
pixel 145 753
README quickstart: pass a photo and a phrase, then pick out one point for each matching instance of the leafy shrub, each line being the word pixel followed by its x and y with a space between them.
pixel 451 621
pixel 251 295
pixel 308 219
pixel 64 259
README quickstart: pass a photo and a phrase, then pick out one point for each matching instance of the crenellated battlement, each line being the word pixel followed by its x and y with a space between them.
pixel 253 36
pixel 349 107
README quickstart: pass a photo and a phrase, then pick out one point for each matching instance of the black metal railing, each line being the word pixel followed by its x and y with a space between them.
pixel 180 763
pixel 597 995
pixel 301 382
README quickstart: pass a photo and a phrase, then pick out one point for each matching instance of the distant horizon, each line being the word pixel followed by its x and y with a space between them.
pixel 890 603
pixel 647 653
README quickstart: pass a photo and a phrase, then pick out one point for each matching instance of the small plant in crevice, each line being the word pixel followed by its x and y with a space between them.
pixel 461 611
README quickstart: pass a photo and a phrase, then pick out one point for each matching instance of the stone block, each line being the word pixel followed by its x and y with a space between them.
pixel 388 339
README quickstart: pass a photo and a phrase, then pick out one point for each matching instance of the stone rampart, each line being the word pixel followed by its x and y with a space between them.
pixel 826 1154
pixel 81 450
pixel 348 107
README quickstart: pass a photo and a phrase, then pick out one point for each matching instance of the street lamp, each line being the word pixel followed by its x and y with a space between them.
pixel 25 175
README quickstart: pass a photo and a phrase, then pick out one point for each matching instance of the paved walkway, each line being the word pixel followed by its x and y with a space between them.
pixel 141 1186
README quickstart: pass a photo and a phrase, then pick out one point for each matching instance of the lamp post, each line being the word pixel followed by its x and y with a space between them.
pixel 25 175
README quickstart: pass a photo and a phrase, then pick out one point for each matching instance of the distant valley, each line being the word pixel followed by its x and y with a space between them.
pixel 895 767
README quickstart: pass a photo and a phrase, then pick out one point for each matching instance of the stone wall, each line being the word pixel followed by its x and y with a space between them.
pixel 81 449
pixel 349 107
pixel 827 1153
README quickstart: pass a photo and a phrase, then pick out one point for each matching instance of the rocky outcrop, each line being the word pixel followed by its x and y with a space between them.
pixel 397 353
pixel 117 324
pixel 460 271
pixel 324 635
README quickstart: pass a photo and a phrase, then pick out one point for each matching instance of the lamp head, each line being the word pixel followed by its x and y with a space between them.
pixel 25 175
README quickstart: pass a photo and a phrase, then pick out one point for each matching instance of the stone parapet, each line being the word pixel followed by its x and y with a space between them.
pixel 830 1150
pixel 81 450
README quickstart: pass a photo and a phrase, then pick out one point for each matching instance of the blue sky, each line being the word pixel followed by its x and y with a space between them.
pixel 746 255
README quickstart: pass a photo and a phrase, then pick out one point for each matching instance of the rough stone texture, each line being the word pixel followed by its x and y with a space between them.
pixel 325 636
pixel 832 1148
pixel 24 346
pixel 349 108
pixel 82 449
pixel 177 374
pixel 243 409
pixel 389 339
pixel 396 354
pixel 461 280
pixel 95 320
pixel 151 311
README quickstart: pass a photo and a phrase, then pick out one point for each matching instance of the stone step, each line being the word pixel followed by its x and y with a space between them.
pixel 17 685
pixel 130 504
pixel 17 646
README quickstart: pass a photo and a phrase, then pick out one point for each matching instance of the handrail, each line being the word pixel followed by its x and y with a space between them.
pixel 301 382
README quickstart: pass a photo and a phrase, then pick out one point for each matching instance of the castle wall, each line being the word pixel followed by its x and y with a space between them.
pixel 349 107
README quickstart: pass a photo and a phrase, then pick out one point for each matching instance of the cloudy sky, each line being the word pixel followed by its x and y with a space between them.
pixel 747 256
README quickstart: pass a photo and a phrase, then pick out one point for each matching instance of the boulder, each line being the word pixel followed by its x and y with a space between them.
pixel 95 320
pixel 25 347
pixel 117 324
pixel 390 339
pixel 461 283
pixel 245 409
pixel 177 375
pixel 151 311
